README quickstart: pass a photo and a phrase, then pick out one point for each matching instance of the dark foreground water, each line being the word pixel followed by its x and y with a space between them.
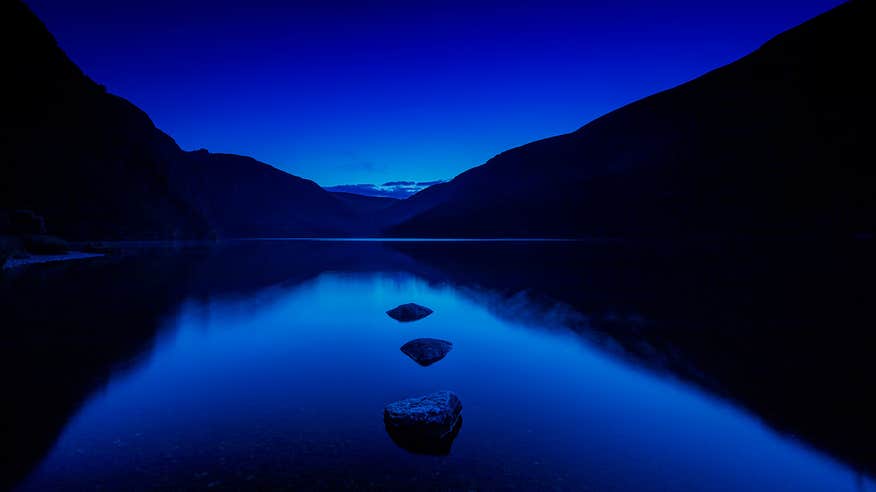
pixel 580 367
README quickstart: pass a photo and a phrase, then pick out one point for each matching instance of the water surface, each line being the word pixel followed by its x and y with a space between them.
pixel 274 373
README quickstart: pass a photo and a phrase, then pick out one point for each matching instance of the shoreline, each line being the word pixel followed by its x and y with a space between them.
pixel 38 259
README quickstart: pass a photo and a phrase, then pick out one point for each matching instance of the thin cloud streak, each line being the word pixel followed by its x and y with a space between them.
pixel 390 189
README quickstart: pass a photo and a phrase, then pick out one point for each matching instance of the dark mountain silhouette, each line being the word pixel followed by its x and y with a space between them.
pixel 421 202
pixel 96 167
pixel 90 162
pixel 242 197
pixel 770 144
pixel 365 205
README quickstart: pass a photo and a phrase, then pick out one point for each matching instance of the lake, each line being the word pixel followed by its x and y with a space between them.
pixel 580 366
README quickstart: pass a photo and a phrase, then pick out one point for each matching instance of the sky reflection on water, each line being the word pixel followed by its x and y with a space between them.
pixel 285 386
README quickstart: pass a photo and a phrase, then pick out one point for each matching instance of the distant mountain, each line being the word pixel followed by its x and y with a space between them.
pixel 391 189
pixel 774 143
pixel 242 197
pixel 364 205
pixel 419 203
pixel 96 167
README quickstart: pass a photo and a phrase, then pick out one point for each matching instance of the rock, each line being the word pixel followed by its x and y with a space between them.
pixel 426 351
pixel 434 414
pixel 426 424
pixel 409 312
pixel 415 443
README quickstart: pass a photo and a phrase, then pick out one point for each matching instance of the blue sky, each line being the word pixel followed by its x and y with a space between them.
pixel 342 93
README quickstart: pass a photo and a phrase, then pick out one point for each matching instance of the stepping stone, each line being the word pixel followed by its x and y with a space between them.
pixel 427 351
pixel 409 312
pixel 426 424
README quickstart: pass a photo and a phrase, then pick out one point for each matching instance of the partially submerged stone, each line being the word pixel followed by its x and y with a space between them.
pixel 434 414
pixel 409 312
pixel 426 351
pixel 415 443
pixel 426 424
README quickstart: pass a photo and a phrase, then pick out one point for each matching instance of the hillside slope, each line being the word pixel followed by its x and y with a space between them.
pixel 771 144
pixel 96 167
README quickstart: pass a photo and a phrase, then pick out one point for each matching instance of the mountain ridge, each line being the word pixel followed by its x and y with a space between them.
pixel 746 145
pixel 96 166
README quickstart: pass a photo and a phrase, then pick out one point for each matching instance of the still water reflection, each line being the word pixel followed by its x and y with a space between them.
pixel 283 383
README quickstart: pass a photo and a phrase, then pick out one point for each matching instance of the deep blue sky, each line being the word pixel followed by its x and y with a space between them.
pixel 342 93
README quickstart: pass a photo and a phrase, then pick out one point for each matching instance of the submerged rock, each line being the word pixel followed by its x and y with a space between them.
pixel 409 312
pixel 426 424
pixel 432 414
pixel 427 351
pixel 415 443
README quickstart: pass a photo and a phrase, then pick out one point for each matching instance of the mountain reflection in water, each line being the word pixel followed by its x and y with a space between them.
pixel 613 366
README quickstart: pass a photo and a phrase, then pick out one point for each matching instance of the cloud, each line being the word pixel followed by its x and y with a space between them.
pixel 390 189
pixel 359 189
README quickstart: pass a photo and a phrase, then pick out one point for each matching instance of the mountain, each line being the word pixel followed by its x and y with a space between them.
pixel 423 201
pixel 773 143
pixel 90 162
pixel 390 189
pixel 96 167
pixel 365 205
pixel 242 197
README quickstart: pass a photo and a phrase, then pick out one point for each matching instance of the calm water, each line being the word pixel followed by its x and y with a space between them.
pixel 262 365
